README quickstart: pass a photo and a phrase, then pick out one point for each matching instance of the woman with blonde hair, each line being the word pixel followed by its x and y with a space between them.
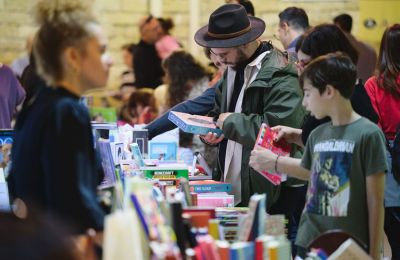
pixel 54 163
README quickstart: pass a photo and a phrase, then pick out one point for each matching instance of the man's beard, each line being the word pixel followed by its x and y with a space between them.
pixel 241 60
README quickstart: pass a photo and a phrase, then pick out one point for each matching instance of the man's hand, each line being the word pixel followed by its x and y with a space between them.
pixel 262 159
pixel 212 138
pixel 221 119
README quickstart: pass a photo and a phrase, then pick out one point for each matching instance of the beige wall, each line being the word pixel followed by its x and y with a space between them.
pixel 120 18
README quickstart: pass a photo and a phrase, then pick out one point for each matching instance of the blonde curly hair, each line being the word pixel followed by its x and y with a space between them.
pixel 63 23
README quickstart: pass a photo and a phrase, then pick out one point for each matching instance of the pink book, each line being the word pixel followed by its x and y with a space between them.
pixel 265 139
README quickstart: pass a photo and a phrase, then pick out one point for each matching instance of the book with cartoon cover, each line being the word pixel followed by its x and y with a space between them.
pixel 195 124
pixel 265 139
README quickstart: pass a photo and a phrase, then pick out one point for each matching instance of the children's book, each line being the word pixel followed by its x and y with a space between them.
pixel 195 124
pixel 107 163
pixel 163 150
pixel 141 137
pixel 163 172
pixel 265 139
pixel 208 186
pixel 254 223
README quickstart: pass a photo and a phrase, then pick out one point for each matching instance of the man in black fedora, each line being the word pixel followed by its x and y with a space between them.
pixel 260 85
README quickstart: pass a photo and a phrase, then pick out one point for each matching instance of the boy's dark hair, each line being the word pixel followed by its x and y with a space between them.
pixel 335 69
pixel 344 21
pixel 295 17
pixel 324 39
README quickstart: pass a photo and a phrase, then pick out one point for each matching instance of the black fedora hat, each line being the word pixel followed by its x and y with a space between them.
pixel 229 26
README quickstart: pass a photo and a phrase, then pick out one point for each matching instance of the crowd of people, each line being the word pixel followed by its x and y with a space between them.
pixel 326 93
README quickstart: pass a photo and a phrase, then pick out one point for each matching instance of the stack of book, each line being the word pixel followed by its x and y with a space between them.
pixel 212 193
pixel 229 219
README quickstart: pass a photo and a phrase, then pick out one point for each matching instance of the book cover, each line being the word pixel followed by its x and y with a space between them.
pixel 107 163
pixel 195 124
pixel 209 186
pixel 265 139
pixel 254 223
pixel 221 199
pixel 163 151
pixel 165 172
pixel 107 114
pixel 141 137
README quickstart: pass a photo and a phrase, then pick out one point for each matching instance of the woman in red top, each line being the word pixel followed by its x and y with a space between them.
pixel 384 91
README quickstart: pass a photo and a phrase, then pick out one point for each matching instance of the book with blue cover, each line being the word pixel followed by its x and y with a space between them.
pixel 209 186
pixel 195 124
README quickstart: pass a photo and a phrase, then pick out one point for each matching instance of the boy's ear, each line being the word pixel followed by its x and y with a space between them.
pixel 330 91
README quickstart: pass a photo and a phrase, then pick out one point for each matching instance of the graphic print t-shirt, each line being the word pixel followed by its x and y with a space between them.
pixel 340 158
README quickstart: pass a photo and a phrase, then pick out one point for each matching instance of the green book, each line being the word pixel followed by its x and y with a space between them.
pixel 108 113
pixel 165 172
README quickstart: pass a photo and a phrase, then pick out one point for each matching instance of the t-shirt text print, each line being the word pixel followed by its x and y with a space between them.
pixel 329 191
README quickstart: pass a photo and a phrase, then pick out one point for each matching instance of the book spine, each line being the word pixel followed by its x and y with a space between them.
pixel 205 188
pixel 178 122
pixel 215 202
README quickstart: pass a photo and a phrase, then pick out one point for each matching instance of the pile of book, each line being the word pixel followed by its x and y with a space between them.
pixel 211 193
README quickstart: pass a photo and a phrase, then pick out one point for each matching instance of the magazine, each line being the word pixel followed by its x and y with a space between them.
pixel 265 139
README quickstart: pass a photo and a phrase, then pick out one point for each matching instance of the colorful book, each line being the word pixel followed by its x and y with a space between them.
pixel 218 199
pixel 107 162
pixel 165 172
pixel 163 150
pixel 195 124
pixel 108 114
pixel 265 139
pixel 254 223
pixel 209 186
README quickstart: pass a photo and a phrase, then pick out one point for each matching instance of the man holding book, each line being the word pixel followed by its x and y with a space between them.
pixel 260 86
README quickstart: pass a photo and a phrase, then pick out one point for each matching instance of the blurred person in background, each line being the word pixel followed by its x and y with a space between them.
pixel 384 91
pixel 19 64
pixel 148 71
pixel 55 168
pixel 167 43
pixel 11 95
pixel 293 22
pixel 367 57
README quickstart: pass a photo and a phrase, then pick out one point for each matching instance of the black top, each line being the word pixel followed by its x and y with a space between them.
pixel 54 166
pixel 360 102
pixel 147 66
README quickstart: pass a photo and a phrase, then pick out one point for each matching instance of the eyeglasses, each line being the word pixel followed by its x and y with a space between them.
pixel 221 55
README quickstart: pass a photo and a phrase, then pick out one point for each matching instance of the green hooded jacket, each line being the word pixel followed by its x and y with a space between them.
pixel 274 98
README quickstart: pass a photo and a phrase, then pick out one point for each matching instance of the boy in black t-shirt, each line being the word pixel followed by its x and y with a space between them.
pixel 344 160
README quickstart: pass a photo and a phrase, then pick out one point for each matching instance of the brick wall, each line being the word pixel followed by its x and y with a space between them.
pixel 120 17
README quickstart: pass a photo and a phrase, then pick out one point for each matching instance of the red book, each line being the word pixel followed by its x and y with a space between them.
pixel 265 139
